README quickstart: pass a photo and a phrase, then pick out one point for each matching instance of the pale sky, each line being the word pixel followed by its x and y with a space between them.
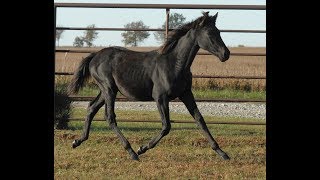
pixel 154 18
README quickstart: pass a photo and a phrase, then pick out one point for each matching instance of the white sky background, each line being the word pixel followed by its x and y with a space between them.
pixel 154 18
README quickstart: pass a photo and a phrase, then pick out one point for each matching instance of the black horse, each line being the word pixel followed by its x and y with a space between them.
pixel 160 75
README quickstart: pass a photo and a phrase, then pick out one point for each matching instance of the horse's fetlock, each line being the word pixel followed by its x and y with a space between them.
pixel 112 124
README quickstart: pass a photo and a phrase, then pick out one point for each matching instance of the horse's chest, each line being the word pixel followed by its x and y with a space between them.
pixel 177 87
pixel 170 84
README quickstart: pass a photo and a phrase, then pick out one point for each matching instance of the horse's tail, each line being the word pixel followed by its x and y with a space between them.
pixel 80 75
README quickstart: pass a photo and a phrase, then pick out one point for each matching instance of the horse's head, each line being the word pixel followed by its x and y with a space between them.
pixel 208 37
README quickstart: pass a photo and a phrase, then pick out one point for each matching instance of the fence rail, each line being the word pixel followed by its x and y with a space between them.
pixel 167 7
pixel 161 6
pixel 199 53
pixel 194 76
pixel 122 99
pixel 154 29
pixel 176 121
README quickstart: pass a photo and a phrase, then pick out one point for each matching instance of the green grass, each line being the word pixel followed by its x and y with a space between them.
pixel 200 93
pixel 230 94
pixel 183 154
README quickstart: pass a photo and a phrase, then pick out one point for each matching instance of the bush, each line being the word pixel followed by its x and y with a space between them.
pixel 212 84
pixel 62 108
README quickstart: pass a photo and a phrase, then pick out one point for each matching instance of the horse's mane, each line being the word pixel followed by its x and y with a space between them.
pixel 176 34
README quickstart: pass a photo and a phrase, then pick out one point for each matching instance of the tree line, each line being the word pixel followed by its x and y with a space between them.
pixel 130 38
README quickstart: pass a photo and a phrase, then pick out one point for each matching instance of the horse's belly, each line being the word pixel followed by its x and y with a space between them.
pixel 141 91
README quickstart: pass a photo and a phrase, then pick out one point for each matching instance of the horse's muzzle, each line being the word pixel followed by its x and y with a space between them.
pixel 225 56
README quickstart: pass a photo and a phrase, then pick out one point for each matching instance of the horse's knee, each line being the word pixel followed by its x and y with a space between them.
pixel 91 111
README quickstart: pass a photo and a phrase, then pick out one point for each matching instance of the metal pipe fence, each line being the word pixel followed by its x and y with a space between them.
pixel 176 121
pixel 167 7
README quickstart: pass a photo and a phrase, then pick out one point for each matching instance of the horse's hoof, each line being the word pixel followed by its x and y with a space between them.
pixel 222 154
pixel 135 157
pixel 75 144
pixel 141 150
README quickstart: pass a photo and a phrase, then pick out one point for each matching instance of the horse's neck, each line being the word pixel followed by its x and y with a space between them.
pixel 185 52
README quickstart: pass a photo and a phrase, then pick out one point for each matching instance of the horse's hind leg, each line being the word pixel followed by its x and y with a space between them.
pixel 92 109
pixel 110 97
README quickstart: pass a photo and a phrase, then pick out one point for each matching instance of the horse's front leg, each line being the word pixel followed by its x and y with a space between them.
pixel 163 107
pixel 188 99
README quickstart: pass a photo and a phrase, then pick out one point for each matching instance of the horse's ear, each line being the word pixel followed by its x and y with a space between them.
pixel 205 16
pixel 215 17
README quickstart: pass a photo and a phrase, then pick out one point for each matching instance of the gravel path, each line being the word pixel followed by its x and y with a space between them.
pixel 249 110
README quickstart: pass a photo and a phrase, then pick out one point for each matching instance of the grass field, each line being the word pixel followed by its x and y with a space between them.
pixel 202 65
pixel 198 93
pixel 183 154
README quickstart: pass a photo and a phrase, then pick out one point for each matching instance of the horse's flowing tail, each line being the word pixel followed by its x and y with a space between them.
pixel 80 75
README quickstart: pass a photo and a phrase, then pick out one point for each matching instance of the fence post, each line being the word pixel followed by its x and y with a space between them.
pixel 55 26
pixel 167 21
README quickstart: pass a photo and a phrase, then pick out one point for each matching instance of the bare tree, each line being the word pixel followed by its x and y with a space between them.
pixel 59 35
pixel 134 37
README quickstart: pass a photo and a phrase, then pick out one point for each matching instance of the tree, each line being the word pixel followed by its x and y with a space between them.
pixel 78 42
pixel 175 20
pixel 90 35
pixel 62 108
pixel 59 34
pixel 134 37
